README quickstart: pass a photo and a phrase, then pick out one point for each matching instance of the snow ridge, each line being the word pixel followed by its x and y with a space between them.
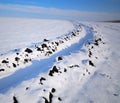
pixel 11 62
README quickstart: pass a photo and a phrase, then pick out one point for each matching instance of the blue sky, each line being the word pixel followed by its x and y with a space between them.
pixel 63 9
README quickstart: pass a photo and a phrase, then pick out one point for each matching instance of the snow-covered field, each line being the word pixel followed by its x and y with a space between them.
pixel 17 33
pixel 79 64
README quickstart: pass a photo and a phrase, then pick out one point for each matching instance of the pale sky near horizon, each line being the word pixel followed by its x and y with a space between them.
pixel 62 9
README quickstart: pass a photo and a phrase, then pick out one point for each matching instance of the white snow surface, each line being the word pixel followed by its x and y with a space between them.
pixel 38 52
pixel 88 71
pixel 17 33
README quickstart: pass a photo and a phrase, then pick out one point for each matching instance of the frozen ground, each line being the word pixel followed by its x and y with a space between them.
pixel 81 66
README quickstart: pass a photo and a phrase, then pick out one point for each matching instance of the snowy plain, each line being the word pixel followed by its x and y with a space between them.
pixel 82 67
pixel 16 33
